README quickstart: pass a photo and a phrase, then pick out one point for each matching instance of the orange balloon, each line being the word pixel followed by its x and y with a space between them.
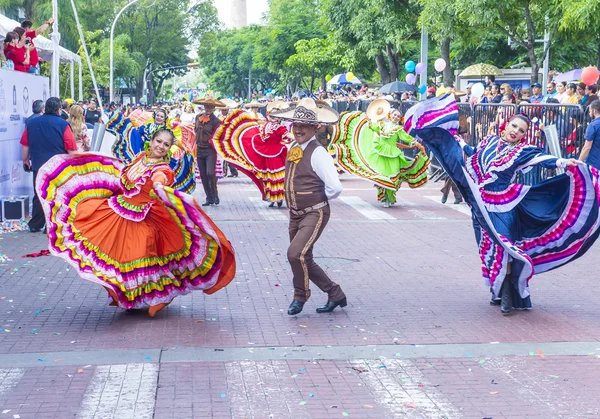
pixel 590 75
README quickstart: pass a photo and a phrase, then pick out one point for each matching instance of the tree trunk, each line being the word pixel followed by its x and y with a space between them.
pixel 382 69
pixel 393 61
pixel 312 81
pixel 445 51
pixel 535 67
pixel 323 84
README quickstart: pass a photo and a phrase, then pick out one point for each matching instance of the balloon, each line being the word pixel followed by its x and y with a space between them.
pixel 440 91
pixel 477 90
pixel 589 75
pixel 422 89
pixel 411 78
pixel 440 64
pixel 328 77
pixel 349 76
pixel 410 66
pixel 420 68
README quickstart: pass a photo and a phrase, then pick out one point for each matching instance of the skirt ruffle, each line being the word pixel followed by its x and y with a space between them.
pixel 173 250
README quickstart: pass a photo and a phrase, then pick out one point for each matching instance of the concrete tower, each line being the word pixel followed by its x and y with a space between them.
pixel 239 17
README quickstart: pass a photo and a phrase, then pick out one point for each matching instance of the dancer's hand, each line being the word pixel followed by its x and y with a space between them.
pixel 574 162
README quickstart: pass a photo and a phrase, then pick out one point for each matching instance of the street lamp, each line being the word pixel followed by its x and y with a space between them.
pixel 112 32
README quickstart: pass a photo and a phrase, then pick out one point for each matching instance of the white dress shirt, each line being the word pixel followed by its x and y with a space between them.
pixel 322 164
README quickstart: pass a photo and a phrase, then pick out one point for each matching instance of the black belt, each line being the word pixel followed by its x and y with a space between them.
pixel 309 209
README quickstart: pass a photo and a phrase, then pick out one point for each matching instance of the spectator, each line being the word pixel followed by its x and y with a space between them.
pixel 37 108
pixel 92 113
pixel 30 35
pixel 581 93
pixel 80 130
pixel 17 51
pixel 430 92
pixel 590 153
pixel 550 91
pixel 64 112
pixel 571 97
pixel 45 137
pixel 536 97
pixel 490 81
pixel 496 94
pixel 590 95
pixel 561 88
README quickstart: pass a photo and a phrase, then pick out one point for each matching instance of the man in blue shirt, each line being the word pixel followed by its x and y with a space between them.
pixel 590 153
pixel 551 91
pixel 536 90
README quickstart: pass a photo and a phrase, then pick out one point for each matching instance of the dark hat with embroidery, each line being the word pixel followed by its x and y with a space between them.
pixel 307 111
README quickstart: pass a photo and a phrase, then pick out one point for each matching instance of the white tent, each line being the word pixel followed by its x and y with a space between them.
pixel 45 51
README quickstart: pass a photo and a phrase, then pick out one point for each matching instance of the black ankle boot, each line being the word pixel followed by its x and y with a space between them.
pixel 295 308
pixel 506 305
pixel 331 305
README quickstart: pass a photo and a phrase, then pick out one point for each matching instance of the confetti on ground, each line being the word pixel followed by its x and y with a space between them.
pixel 4 258
pixel 482 361
pixel 531 354
pixel 304 326
pixel 369 406
pixel 337 326
pixel 381 366
pixel 411 405
pixel 79 371
pixel 345 414
pixel 468 355
pixel 199 321
pixel 56 333
pixel 539 352
pixel 34 331
pixel 4 412
pixel 42 360
pixel 554 376
pixel 13 226
pixel 223 395
pixel 421 385
pixel 302 403
pixel 147 358
pixel 295 375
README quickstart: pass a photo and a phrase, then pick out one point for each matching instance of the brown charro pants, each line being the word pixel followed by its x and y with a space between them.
pixel 305 230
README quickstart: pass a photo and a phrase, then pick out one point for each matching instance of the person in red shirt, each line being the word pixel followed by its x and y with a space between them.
pixel 27 25
pixel 17 52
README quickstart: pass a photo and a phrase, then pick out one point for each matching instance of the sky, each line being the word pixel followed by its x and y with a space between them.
pixel 255 10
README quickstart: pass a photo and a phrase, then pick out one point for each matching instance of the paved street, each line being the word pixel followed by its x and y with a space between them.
pixel 418 338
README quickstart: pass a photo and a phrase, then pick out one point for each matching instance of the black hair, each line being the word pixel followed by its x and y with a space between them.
pixel 26 24
pixel 161 130
pixel 593 88
pixel 492 78
pixel 572 86
pixel 564 83
pixel 595 106
pixel 552 100
pixel 64 105
pixel 522 117
pixel 553 84
pixel 37 106
pixel 19 31
pixel 52 105
pixel 497 86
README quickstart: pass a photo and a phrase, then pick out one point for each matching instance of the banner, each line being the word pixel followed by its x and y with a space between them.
pixel 18 91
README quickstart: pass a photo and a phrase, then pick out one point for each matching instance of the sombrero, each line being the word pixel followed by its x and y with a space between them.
pixel 378 109
pixel 254 104
pixel 308 112
pixel 229 104
pixel 209 101
pixel 278 105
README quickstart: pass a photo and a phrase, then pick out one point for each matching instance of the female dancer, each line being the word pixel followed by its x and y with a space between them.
pixel 366 148
pixel 123 227
pixel 521 230
pixel 257 149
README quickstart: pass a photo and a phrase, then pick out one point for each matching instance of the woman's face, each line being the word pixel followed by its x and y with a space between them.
pixel 160 145
pixel 561 88
pixel 159 118
pixel 516 129
pixel 580 91
pixel 189 109
pixel 395 117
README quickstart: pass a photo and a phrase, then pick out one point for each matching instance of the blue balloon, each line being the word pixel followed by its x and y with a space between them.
pixel 422 89
pixel 410 66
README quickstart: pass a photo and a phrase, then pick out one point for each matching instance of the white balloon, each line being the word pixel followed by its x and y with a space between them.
pixel 478 89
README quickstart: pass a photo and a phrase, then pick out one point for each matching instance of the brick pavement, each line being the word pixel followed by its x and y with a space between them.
pixel 412 277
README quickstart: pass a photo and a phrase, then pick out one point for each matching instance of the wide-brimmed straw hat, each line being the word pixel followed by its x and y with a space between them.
pixel 228 104
pixel 254 104
pixel 308 112
pixel 209 101
pixel 278 105
pixel 378 109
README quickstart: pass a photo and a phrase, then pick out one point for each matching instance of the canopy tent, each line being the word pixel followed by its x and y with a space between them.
pixel 45 51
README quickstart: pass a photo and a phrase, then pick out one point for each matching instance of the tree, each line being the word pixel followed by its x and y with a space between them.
pixel 581 16
pixel 523 21
pixel 377 28
pixel 315 58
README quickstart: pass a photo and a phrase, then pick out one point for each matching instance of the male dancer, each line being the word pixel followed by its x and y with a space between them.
pixel 205 126
pixel 310 182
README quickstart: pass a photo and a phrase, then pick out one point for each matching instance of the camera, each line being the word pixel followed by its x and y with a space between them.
pixel 27 41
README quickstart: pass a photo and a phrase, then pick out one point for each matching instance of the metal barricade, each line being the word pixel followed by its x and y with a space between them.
pixel 487 119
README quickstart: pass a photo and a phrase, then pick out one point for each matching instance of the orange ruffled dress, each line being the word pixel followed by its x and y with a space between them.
pixel 148 244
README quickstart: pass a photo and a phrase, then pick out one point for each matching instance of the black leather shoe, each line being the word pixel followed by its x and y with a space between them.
pixel 272 204
pixel 457 201
pixel 495 302
pixel 444 198
pixel 217 201
pixel 207 203
pixel 331 305
pixel 295 308
pixel 506 304
pixel 279 204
